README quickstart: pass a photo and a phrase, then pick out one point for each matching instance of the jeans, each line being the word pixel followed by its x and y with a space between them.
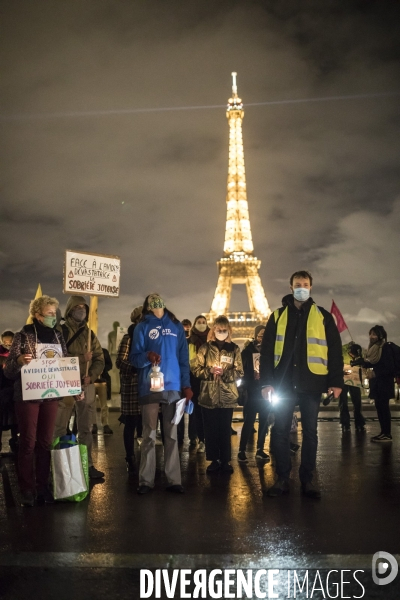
pixel 383 410
pixel 283 410
pixel 36 425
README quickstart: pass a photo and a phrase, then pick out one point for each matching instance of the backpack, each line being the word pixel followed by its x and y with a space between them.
pixel 396 358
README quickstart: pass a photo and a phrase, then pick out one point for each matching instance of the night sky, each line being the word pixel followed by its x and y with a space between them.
pixel 323 177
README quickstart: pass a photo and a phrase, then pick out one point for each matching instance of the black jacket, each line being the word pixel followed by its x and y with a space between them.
pixel 384 369
pixel 292 372
pixel 251 384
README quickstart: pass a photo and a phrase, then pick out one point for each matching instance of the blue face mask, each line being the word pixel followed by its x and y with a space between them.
pixel 301 294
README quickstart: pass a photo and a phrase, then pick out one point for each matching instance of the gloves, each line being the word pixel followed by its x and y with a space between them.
pixel 153 357
pixel 188 393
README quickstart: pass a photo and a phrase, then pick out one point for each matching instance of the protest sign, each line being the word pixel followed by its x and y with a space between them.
pixel 51 378
pixel 92 274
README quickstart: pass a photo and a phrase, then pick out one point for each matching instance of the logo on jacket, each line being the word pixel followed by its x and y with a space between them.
pixel 153 334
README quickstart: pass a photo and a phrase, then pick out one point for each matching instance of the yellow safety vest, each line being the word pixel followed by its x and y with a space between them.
pixel 317 346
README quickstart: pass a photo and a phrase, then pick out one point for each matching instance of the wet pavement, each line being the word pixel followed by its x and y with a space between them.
pixel 221 521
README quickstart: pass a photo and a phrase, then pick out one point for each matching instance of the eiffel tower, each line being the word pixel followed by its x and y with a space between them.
pixel 238 265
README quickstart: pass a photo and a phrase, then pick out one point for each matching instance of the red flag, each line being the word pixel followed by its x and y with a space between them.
pixel 339 320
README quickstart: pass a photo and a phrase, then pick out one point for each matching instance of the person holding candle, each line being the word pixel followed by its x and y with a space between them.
pixel 219 365
pixel 159 341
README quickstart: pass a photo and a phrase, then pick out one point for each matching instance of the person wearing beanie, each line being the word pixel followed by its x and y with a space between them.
pixel 255 403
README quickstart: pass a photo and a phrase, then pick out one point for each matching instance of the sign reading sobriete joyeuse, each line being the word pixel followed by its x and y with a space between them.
pixel 92 274
pixel 51 378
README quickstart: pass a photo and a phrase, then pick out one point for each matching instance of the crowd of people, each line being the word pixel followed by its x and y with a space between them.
pixel 295 358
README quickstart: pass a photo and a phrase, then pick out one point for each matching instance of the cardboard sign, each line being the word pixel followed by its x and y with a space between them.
pixel 92 274
pixel 51 378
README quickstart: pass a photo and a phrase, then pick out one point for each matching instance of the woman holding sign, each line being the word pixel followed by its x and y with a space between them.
pixel 36 417
pixel 219 366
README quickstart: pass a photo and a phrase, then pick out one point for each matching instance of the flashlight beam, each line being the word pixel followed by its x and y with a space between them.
pixel 133 111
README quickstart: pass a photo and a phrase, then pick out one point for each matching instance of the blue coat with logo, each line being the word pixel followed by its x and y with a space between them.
pixel 167 339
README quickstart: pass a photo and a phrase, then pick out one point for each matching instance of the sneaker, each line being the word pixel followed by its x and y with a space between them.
pixel 376 437
pixel 27 499
pixel 281 486
pixel 94 429
pixel 226 467
pixel 261 455
pixel 213 466
pixel 107 430
pixel 130 464
pixel 310 490
pixel 201 448
pixel 242 456
pixel 383 437
pixel 95 473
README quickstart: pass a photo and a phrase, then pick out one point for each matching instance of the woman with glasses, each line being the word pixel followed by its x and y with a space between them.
pixel 36 418
pixel 219 365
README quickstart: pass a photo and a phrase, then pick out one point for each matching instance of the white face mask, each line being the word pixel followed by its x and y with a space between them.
pixel 221 336
pixel 201 326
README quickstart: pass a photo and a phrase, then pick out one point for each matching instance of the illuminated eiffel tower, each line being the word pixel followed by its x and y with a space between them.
pixel 238 266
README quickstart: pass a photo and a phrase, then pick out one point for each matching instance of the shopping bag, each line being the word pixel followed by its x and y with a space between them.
pixel 70 471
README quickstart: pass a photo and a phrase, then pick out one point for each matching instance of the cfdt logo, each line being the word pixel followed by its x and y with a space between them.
pixel 384 568
pixel 153 334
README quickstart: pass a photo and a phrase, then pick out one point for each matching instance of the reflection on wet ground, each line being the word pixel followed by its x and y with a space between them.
pixel 222 515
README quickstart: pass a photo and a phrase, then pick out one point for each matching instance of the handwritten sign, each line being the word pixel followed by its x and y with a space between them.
pixel 51 378
pixel 92 274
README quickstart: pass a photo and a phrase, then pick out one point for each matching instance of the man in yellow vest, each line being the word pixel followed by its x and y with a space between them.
pixel 300 358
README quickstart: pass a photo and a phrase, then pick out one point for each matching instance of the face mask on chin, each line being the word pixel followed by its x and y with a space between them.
pixel 201 327
pixel 301 294
pixel 221 336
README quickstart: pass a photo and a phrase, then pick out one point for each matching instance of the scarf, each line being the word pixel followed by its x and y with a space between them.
pixel 374 352
pixel 198 338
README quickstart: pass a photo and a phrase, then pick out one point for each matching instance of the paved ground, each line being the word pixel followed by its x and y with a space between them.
pixel 95 548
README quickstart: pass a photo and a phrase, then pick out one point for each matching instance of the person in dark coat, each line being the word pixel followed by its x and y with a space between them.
pixel 255 403
pixel 198 337
pixel 379 360
pixel 301 357
pixel 8 420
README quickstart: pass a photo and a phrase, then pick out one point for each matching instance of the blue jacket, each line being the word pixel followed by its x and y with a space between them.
pixel 167 339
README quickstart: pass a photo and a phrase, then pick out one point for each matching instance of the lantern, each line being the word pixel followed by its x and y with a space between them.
pixel 156 380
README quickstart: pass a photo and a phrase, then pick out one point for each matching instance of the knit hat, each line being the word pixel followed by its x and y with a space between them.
pixel 257 330
pixel 135 314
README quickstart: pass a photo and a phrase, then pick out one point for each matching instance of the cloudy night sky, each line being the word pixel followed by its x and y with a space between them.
pixel 83 168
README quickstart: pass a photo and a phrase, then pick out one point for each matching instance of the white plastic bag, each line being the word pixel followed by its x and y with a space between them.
pixel 68 474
